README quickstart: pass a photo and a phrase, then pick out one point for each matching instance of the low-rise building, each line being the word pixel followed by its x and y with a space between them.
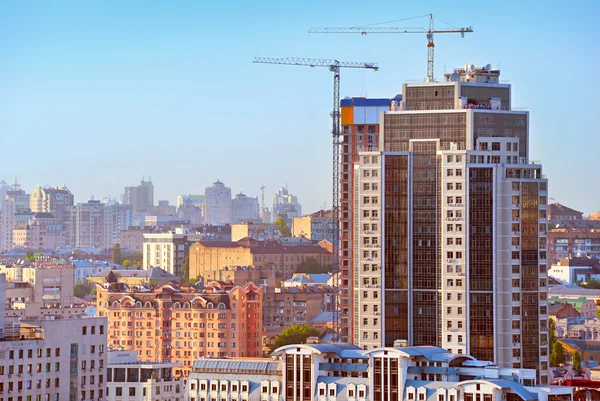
pixel 242 275
pixel 294 305
pixel 257 231
pixel 153 277
pixel 578 328
pixel 210 255
pixel 318 226
pixel 572 270
pixel 589 351
pixel 129 379
pixel 574 238
pixel 83 269
pixel 561 310
pixel 173 324
pixel 586 307
pixel 558 212
pixel 309 280
pixel 344 372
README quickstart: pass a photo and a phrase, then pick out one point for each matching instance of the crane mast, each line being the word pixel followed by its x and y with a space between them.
pixel 429 32
pixel 334 66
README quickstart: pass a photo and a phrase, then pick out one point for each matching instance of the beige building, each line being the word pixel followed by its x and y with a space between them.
pixel 257 231
pixel 38 235
pixel 61 359
pixel 242 275
pixel 133 238
pixel 209 255
pixel 130 379
pixel 16 201
pixel 317 226
pixel 449 227
pixel 39 284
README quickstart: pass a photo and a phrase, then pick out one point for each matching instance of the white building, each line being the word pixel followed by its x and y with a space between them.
pixel 129 379
pixel 344 372
pixel 244 209
pixel 217 204
pixel 286 206
pixel 16 200
pixel 167 250
pixel 575 269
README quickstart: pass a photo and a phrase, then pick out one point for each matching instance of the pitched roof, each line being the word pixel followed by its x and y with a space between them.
pixel 581 345
pixel 556 209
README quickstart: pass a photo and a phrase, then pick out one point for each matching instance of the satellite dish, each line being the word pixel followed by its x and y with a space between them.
pixel 488 67
pixel 472 68
pixel 90 311
pixel 454 77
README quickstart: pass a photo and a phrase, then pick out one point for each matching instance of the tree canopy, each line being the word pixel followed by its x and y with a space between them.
pixel 576 360
pixel 283 227
pixel 557 356
pixel 311 266
pixel 591 284
pixel 296 334
pixel 82 289
pixel 117 256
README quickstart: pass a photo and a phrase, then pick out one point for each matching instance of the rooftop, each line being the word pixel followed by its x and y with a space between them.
pixel 558 210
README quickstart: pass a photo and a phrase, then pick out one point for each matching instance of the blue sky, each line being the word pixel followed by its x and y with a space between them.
pixel 95 94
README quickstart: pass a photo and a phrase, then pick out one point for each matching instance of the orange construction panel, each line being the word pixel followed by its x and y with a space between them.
pixel 347 115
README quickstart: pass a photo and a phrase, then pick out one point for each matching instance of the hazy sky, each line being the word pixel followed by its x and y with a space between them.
pixel 95 94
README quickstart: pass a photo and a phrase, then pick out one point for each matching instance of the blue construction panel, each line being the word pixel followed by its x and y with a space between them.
pixel 360 115
pixel 362 101
pixel 346 102
pixel 372 116
pixel 380 109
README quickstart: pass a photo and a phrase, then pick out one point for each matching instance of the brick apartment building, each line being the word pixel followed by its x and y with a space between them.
pixel 173 324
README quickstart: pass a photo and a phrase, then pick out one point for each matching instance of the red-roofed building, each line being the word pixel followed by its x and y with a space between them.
pixel 211 255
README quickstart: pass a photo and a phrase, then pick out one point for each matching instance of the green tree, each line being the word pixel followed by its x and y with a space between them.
pixel 576 360
pixel 82 289
pixel 552 332
pixel 283 227
pixel 185 269
pixel 558 354
pixel 591 284
pixel 296 334
pixel 117 256
pixel 29 256
pixel 128 263
pixel 311 266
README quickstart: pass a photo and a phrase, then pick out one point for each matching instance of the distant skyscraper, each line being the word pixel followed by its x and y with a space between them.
pixel 217 206
pixel 57 201
pixel 4 187
pixel 245 209
pixel 140 197
pixel 450 221
pixel 286 206
pixel 16 200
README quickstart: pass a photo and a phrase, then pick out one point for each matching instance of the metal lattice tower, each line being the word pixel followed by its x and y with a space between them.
pixel 334 66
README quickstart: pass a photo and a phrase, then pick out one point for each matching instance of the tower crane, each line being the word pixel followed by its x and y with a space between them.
pixel 377 29
pixel 334 66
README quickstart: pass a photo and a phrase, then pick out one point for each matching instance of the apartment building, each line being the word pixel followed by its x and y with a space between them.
pixel 572 238
pixel 98 225
pixel 131 379
pixel 360 130
pixel 210 255
pixel 450 226
pixel 344 372
pixel 61 359
pixel 140 197
pixel 15 201
pixel 285 206
pixel 217 204
pixel 244 209
pixel 132 238
pixel 317 226
pixel 171 324
pixel 39 234
pixel 294 305
pixel 257 231
pixel 167 250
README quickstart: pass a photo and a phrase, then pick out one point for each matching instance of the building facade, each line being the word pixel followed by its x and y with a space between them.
pixel 580 241
pixel 130 379
pixel 211 255
pixel 332 372
pixel 140 197
pixel 16 201
pixel 167 250
pixel 98 225
pixel 317 226
pixel 172 325
pixel 450 227
pixel 61 359
pixel 244 209
pixel 257 231
pixel 217 204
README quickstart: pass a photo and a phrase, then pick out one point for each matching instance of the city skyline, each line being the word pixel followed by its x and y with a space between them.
pixel 88 77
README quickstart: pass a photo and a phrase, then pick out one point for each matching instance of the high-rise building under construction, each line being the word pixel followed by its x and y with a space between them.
pixel 444 225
